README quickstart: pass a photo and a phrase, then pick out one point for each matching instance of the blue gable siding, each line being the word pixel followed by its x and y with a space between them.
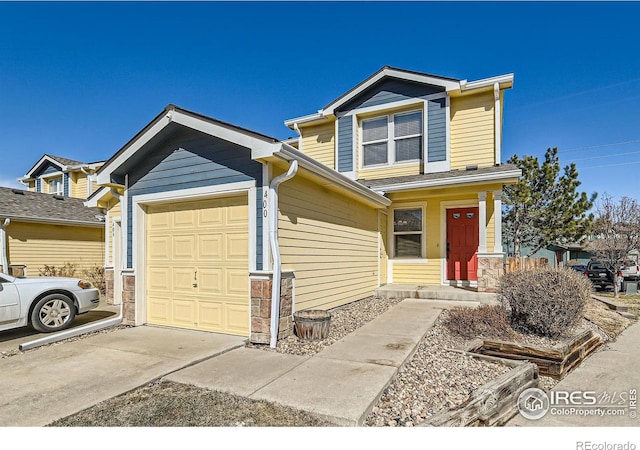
pixel 388 91
pixel 437 135
pixel 46 168
pixel 65 184
pixel 191 160
pixel 345 144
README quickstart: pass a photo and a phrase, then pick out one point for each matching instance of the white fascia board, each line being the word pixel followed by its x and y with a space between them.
pixel 101 193
pixel 305 119
pixel 219 131
pixel 91 166
pixel 195 123
pixel 75 223
pixel 511 175
pixel 505 82
pixel 313 166
pixel 449 85
pixel 43 159
pixel 104 177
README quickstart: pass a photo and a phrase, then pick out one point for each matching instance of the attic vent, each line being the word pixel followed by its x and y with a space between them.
pixel 58 197
pixel 472 167
pixel 17 191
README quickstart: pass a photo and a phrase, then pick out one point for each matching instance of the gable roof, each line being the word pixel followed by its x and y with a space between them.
pixel 452 85
pixel 61 162
pixel 174 114
pixel 65 161
pixel 25 206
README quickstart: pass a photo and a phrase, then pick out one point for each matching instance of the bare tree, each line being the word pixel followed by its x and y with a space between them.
pixel 616 231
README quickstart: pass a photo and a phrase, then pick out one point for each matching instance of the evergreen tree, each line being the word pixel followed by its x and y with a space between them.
pixel 544 207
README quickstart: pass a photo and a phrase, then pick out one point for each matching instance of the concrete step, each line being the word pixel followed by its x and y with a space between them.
pixel 430 292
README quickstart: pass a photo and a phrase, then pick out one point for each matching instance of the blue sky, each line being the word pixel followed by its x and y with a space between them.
pixel 80 79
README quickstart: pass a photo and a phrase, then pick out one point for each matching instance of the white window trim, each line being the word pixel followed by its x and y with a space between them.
pixel 391 252
pixel 391 139
pixel 51 178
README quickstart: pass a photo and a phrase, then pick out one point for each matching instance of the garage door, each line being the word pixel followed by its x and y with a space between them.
pixel 198 265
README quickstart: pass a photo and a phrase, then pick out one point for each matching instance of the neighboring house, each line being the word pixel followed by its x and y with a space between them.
pixel 399 180
pixel 558 255
pixel 42 229
pixel 62 176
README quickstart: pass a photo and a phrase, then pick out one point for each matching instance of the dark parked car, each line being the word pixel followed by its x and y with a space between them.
pixel 600 274
pixel 579 268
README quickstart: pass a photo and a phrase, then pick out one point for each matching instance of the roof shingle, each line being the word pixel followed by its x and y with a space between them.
pixel 35 207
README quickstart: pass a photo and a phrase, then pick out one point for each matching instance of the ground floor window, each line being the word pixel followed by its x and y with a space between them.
pixel 407 233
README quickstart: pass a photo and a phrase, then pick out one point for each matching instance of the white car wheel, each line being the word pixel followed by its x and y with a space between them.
pixel 54 312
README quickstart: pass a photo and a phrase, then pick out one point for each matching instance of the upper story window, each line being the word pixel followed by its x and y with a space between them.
pixel 55 185
pixel 391 139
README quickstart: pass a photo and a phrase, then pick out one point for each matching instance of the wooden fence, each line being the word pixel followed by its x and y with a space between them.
pixel 514 264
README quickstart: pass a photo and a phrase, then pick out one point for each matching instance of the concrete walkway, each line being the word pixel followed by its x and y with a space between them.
pixel 49 383
pixel 340 383
pixel 614 369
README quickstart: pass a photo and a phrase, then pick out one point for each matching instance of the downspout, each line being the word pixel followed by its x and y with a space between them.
pixel 3 245
pixel 295 127
pixel 275 249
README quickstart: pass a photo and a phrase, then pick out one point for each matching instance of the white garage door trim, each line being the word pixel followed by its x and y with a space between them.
pixel 139 226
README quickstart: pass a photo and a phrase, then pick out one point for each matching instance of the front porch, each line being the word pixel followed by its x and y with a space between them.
pixel 435 292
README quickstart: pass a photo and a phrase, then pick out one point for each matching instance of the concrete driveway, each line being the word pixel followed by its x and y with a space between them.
pixel 11 339
pixel 45 384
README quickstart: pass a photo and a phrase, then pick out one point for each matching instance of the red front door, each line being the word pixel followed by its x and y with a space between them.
pixel 462 244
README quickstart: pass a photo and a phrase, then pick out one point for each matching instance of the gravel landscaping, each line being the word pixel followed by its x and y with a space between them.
pixel 434 379
pixel 344 320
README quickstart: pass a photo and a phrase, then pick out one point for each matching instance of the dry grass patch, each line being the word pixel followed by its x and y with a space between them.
pixel 168 404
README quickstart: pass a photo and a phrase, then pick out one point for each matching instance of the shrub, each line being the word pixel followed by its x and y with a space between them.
pixel 95 275
pixel 66 270
pixel 547 302
pixel 488 321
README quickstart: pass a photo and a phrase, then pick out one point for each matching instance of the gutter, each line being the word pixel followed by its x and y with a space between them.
pixel 80 223
pixel 275 249
pixel 3 245
pixel 73 332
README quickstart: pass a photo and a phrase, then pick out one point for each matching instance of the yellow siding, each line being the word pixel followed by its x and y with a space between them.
pixel 390 171
pixel 78 185
pixel 35 245
pixel 32 186
pixel 330 241
pixel 472 131
pixel 318 142
pixel 428 273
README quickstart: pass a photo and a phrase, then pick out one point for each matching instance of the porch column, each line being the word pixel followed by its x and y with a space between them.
pixel 497 221
pixel 482 221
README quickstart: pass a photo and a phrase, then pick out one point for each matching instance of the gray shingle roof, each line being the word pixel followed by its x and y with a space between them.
pixel 437 176
pixel 65 161
pixel 20 205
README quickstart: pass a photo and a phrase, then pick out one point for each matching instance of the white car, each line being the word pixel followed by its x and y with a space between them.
pixel 47 304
